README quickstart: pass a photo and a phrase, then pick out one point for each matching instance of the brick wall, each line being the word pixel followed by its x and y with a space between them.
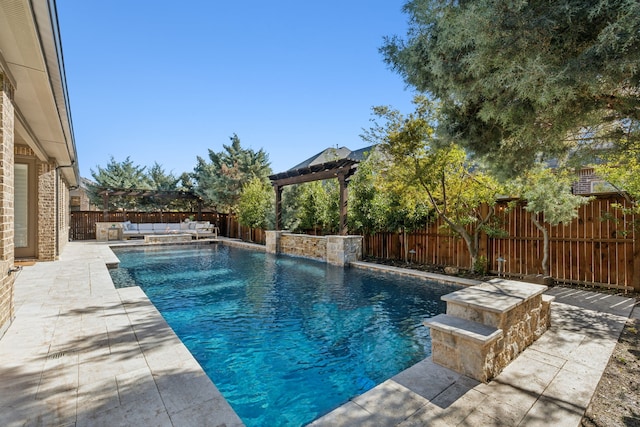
pixel 64 202
pixel 590 183
pixel 53 208
pixel 583 185
pixel 47 204
pixel 6 202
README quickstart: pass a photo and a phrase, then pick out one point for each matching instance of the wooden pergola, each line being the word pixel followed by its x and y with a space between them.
pixel 341 169
pixel 140 193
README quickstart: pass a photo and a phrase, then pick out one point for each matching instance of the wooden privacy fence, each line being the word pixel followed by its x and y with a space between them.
pixel 597 248
pixel 82 224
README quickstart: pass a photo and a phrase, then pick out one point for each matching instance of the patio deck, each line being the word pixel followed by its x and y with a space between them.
pixel 82 353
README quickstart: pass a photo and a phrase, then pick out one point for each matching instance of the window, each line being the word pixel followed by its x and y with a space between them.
pixel 602 187
pixel 21 206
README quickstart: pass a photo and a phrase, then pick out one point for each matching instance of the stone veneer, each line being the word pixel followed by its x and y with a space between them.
pixel 338 250
pixel 6 202
pixel 305 246
pixel 488 325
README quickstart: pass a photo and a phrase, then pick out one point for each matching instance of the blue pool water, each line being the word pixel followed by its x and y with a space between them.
pixel 285 339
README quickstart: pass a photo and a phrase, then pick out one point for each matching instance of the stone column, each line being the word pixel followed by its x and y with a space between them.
pixel 342 250
pixel 6 201
pixel 272 241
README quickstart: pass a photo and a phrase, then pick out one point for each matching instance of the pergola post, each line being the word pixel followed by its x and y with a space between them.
pixel 343 204
pixel 340 169
pixel 278 190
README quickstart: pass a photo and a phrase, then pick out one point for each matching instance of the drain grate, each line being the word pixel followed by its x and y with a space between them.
pixel 57 355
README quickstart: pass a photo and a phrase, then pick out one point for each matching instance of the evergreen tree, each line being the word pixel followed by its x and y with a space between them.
pixel 526 80
pixel 161 180
pixel 164 182
pixel 220 181
pixel 118 176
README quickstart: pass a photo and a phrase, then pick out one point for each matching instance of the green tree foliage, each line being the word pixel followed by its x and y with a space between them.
pixel 524 79
pixel 311 206
pixel 549 199
pixel 459 192
pixel 291 200
pixel 621 168
pixel 219 182
pixel 318 206
pixel 255 206
pixel 366 200
pixel 119 175
pixel 163 181
pixel 381 201
pixel 128 176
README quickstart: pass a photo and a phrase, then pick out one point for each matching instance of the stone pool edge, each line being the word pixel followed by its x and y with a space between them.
pixel 551 382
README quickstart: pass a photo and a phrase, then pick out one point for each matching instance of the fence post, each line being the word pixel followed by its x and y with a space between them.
pixel 483 243
pixel 635 275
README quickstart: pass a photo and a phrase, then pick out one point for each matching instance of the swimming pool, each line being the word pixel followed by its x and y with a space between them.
pixel 284 339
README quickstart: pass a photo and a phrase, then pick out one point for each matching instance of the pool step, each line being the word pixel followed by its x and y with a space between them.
pixel 464 346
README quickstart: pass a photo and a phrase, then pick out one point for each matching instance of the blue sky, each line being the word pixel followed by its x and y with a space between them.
pixel 164 81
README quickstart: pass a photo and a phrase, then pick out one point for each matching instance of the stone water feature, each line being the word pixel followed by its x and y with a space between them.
pixel 488 325
pixel 337 250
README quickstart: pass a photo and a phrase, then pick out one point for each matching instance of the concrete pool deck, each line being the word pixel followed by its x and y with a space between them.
pixel 82 353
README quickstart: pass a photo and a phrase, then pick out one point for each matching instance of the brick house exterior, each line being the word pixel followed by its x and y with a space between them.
pixel 38 157
pixel 80 198
pixel 590 183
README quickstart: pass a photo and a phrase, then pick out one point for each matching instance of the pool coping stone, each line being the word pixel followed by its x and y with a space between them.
pixel 81 352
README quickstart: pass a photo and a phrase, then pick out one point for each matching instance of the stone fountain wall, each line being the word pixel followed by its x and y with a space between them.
pixel 337 250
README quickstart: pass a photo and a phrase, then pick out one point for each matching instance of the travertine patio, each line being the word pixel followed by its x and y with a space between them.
pixel 82 353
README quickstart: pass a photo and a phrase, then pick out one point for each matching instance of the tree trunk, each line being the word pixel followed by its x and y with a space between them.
pixel 470 241
pixel 545 243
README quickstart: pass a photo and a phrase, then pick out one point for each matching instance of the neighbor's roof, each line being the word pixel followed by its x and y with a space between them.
pixel 331 154
pixel 327 164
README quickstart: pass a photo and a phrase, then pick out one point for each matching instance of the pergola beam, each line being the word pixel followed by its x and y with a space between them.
pixel 340 169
